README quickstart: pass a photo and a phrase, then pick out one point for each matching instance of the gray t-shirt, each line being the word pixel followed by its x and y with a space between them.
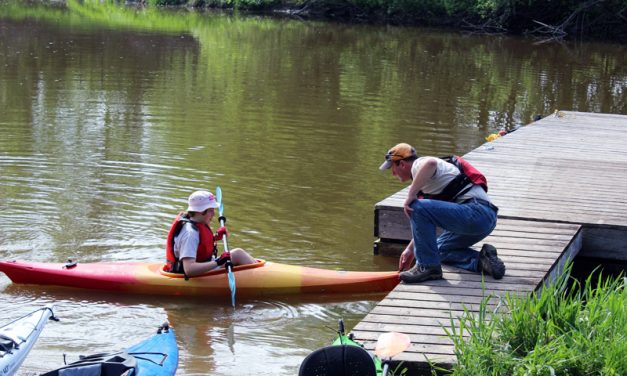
pixel 186 242
pixel 444 173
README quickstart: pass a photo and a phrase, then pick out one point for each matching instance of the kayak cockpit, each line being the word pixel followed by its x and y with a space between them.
pixel 217 271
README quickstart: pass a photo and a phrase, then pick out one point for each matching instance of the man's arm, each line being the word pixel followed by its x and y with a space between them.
pixel 407 257
pixel 426 170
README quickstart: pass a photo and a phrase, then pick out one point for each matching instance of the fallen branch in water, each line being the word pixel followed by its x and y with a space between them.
pixel 559 31
pixel 490 27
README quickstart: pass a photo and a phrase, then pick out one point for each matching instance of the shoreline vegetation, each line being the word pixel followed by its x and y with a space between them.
pixel 565 19
pixel 570 328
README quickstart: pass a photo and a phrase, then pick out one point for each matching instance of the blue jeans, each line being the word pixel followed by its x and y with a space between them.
pixel 463 224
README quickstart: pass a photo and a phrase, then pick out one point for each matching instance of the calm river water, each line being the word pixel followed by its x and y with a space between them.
pixel 110 117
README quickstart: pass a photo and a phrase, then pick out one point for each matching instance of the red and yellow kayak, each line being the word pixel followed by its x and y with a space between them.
pixel 255 280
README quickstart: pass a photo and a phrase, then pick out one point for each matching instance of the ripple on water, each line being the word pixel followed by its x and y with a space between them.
pixel 258 333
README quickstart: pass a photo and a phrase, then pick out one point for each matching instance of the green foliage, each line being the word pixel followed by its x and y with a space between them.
pixel 602 18
pixel 399 370
pixel 171 2
pixel 165 2
pixel 570 16
pixel 565 330
pixel 234 4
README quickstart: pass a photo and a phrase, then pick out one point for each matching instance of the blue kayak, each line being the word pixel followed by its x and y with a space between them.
pixel 155 356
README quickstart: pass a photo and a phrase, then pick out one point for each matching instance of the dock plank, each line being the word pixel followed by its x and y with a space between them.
pixel 424 310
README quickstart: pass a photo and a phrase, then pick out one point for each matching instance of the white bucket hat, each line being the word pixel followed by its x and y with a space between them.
pixel 200 201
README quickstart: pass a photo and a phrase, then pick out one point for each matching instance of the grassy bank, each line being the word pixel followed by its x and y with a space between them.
pixel 557 18
pixel 568 329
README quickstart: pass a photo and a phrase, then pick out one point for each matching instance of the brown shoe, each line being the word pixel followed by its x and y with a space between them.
pixel 421 273
pixel 490 263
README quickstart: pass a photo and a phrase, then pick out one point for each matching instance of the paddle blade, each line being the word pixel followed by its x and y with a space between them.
pixel 232 286
pixel 390 344
pixel 218 194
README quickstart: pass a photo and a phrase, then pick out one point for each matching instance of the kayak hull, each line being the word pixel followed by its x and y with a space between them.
pixel 155 356
pixel 19 337
pixel 149 359
pixel 261 279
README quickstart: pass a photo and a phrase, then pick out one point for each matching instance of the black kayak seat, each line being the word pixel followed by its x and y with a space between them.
pixel 6 345
pixel 104 364
pixel 84 370
pixel 338 360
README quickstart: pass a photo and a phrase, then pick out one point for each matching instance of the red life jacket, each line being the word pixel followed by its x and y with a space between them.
pixel 206 247
pixel 468 177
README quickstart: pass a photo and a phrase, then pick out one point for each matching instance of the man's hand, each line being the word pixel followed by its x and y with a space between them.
pixel 222 232
pixel 406 259
pixel 224 258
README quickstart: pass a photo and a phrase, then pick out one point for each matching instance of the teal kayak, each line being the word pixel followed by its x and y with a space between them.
pixel 18 337
pixel 157 355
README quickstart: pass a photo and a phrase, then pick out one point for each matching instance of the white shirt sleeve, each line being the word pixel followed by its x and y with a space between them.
pixel 444 173
pixel 186 242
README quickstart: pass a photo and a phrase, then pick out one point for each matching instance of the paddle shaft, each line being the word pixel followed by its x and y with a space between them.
pixel 386 365
pixel 229 265
pixel 221 218
pixel 224 243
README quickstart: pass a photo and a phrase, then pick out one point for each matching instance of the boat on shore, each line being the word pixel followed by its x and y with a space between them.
pixel 254 280
pixel 18 337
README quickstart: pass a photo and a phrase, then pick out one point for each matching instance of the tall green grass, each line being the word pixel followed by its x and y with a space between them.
pixel 567 329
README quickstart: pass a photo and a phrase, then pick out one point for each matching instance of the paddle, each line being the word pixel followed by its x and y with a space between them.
pixel 229 265
pixel 390 344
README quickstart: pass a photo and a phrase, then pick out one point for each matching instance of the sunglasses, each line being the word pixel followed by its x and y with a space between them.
pixel 389 155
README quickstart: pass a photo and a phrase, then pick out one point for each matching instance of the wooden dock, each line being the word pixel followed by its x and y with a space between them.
pixel 561 187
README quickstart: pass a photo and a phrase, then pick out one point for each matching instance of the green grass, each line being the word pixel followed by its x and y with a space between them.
pixel 567 329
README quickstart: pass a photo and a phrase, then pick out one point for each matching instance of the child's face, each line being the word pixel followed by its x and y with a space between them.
pixel 209 215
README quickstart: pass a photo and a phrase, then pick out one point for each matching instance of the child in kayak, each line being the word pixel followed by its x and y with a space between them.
pixel 191 246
